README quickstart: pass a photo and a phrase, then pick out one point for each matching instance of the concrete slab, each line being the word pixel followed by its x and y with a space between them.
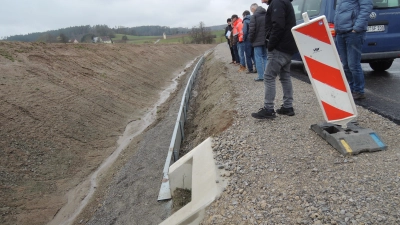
pixel 198 172
pixel 350 141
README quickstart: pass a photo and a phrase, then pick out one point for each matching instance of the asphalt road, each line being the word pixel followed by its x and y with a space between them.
pixel 381 88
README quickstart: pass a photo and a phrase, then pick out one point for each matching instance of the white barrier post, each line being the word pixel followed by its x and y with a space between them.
pixel 321 60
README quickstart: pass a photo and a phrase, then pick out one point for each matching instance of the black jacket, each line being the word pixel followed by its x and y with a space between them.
pixel 257 32
pixel 279 21
pixel 228 28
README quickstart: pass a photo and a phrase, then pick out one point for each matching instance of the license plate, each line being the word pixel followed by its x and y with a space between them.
pixel 377 28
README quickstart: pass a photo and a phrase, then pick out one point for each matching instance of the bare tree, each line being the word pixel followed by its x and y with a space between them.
pixel 201 34
pixel 48 38
pixel 63 38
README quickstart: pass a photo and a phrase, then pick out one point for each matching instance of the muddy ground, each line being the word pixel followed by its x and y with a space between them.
pixel 63 108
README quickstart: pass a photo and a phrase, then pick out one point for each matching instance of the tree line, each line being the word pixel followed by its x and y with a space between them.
pixel 199 34
pixel 85 33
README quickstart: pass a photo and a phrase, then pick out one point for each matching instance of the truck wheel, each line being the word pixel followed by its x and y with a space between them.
pixel 381 65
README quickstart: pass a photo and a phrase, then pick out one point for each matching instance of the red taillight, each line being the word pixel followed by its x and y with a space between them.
pixel 332 27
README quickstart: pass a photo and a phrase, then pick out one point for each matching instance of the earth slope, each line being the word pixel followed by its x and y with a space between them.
pixel 63 107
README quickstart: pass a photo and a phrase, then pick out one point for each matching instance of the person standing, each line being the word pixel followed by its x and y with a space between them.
pixel 257 38
pixel 238 35
pixel 234 46
pixel 228 30
pixel 351 22
pixel 279 20
pixel 248 49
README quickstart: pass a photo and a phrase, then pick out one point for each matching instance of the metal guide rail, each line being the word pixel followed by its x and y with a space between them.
pixel 178 135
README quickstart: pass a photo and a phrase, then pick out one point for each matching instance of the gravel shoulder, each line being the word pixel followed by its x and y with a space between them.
pixel 284 173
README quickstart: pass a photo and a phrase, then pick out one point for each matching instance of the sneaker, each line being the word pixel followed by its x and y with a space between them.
pixel 264 113
pixel 285 111
pixel 357 95
pixel 258 79
pixel 249 72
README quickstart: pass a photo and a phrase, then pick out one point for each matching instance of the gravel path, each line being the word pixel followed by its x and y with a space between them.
pixel 284 173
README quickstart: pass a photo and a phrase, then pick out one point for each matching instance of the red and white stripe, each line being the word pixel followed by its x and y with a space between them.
pixel 320 57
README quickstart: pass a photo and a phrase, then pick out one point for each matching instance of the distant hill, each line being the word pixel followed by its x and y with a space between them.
pixel 218 27
pixel 86 33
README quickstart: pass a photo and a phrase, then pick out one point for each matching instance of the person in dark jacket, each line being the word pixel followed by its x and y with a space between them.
pixel 257 38
pixel 248 49
pixel 279 20
pixel 227 36
pixel 351 22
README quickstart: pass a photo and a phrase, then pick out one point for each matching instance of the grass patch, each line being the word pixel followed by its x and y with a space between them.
pixel 79 46
pixel 171 39
pixel 6 55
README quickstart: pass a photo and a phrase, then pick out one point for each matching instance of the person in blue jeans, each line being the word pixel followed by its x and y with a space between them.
pixel 279 20
pixel 351 22
pixel 248 49
pixel 257 38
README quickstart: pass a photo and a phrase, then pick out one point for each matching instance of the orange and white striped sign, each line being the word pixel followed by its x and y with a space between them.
pixel 318 51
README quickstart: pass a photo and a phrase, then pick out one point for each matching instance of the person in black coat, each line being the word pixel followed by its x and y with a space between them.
pixel 227 36
pixel 279 20
pixel 257 38
pixel 248 48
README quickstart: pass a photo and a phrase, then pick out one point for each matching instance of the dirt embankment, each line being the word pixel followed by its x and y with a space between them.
pixel 63 107
pixel 211 109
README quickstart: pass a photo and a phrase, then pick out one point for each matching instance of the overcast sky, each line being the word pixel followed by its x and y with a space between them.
pixel 29 16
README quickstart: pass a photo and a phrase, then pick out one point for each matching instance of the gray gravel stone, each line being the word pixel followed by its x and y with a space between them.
pixel 289 175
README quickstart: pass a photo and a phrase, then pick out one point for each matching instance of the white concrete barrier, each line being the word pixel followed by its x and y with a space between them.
pixel 177 135
pixel 195 171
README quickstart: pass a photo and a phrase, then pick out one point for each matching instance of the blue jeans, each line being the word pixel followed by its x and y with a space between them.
pixel 278 64
pixel 248 50
pixel 349 48
pixel 236 53
pixel 260 57
pixel 240 46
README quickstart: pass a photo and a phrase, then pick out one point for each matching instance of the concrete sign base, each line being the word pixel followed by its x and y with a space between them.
pixel 350 141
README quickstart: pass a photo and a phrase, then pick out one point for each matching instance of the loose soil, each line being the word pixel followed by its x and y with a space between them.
pixel 213 99
pixel 64 107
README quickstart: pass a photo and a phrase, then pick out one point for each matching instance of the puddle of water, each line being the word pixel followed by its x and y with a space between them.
pixel 80 196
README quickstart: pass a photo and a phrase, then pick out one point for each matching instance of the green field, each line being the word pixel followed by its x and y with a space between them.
pixel 171 39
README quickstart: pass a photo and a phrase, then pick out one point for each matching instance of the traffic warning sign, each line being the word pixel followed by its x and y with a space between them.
pixel 323 65
pixel 321 60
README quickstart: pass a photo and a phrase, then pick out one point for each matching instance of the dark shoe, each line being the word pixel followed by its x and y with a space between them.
pixel 255 71
pixel 285 111
pixel 357 95
pixel 258 79
pixel 264 113
pixel 249 72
